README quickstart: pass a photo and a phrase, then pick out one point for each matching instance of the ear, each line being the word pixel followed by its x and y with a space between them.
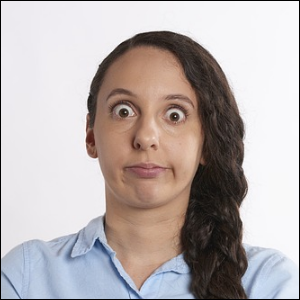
pixel 90 139
pixel 202 161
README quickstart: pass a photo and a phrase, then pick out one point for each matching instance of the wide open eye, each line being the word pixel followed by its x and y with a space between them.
pixel 122 110
pixel 176 115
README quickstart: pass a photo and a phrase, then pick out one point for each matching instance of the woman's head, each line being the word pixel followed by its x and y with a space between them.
pixel 222 125
pixel 147 134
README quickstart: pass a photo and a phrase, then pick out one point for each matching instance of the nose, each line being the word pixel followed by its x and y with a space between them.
pixel 146 135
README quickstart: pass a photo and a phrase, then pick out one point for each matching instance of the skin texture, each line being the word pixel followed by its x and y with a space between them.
pixel 147 113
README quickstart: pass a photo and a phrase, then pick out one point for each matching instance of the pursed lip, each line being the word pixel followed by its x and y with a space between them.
pixel 146 170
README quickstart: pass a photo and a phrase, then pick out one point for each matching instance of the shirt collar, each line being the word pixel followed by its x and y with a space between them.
pixel 176 264
pixel 88 235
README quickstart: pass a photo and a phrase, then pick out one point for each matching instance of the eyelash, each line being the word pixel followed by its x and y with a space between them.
pixel 114 105
pixel 184 110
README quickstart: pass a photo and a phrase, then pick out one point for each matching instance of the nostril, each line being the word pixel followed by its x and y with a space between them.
pixel 145 143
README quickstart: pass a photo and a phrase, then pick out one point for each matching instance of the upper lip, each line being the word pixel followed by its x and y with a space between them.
pixel 146 165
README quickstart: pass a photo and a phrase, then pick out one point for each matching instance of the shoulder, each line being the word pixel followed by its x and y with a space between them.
pixel 32 267
pixel 19 263
pixel 34 250
pixel 64 246
pixel 270 274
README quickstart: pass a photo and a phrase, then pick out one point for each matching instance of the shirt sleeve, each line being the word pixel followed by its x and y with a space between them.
pixel 12 274
pixel 277 279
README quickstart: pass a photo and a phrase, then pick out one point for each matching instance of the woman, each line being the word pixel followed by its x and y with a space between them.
pixel 166 130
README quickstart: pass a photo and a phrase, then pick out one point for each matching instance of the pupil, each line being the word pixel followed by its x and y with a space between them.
pixel 123 113
pixel 174 116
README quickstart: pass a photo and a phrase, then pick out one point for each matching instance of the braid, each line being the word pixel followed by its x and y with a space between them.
pixel 212 233
pixel 211 237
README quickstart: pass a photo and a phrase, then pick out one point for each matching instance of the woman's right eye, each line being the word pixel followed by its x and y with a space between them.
pixel 122 111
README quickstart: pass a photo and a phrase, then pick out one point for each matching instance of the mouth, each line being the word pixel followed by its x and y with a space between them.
pixel 146 170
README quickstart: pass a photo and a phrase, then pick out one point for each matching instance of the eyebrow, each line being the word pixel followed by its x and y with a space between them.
pixel 121 91
pixel 180 97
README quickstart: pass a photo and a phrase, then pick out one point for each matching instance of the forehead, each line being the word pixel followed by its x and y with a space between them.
pixel 147 54
pixel 147 68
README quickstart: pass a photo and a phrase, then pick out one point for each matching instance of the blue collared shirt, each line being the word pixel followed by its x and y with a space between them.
pixel 83 266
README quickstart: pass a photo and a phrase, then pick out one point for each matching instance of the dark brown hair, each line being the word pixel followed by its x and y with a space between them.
pixel 212 233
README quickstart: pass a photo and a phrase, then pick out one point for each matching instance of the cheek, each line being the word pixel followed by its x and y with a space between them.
pixel 108 158
pixel 112 147
pixel 187 152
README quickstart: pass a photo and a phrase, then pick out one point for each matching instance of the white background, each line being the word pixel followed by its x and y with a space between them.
pixel 50 53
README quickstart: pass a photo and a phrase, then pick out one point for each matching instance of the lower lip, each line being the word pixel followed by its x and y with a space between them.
pixel 146 173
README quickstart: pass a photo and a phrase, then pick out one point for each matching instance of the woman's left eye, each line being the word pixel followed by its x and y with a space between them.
pixel 176 115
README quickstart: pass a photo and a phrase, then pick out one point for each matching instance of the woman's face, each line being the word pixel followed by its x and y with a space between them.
pixel 147 133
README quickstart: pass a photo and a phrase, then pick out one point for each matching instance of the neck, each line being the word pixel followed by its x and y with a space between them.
pixel 143 239
pixel 144 234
